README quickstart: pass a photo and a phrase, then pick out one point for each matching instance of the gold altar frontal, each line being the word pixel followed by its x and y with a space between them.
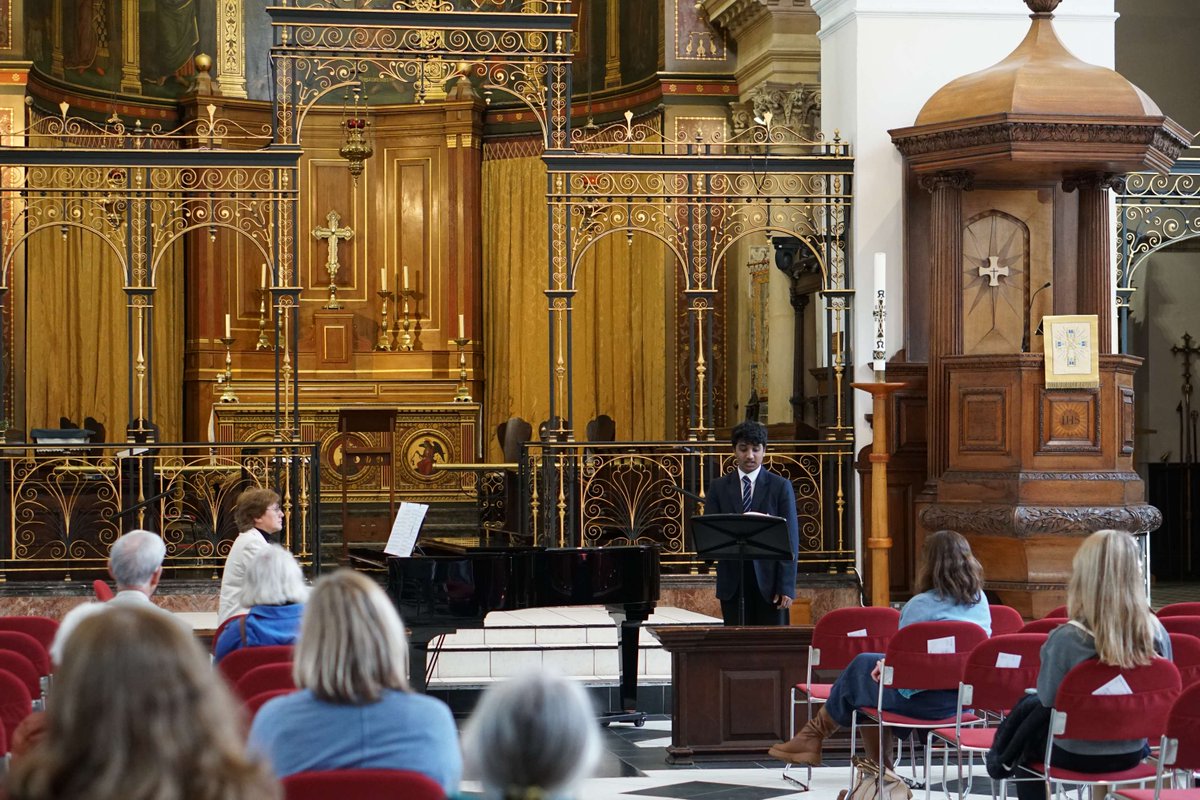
pixel 425 435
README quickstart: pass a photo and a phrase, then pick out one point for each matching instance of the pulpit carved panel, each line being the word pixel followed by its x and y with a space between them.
pixel 1069 421
pixel 984 414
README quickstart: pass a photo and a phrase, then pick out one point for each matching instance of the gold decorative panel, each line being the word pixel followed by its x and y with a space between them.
pixel 425 435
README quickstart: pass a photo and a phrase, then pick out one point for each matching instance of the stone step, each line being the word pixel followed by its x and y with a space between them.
pixel 578 641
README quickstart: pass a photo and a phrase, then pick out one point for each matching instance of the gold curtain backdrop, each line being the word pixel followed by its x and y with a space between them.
pixel 75 336
pixel 620 315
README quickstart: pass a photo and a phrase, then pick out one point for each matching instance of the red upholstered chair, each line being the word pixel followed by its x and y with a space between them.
pixel 221 629
pixel 40 628
pixel 259 700
pixel 265 678
pixel 1180 750
pixel 27 646
pixel 1180 610
pixel 239 662
pixel 1005 619
pixel 1043 625
pixel 924 655
pixel 1057 613
pixel 995 677
pixel 21 667
pixel 837 638
pixel 1182 624
pixel 102 590
pixel 1080 713
pixel 1185 653
pixel 16 703
pixel 361 784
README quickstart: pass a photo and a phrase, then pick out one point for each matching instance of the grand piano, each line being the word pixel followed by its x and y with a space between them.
pixel 439 594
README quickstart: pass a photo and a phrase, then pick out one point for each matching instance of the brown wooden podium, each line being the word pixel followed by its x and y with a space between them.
pixel 367 420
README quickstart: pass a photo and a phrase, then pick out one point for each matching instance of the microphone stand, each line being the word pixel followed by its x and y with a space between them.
pixel 1029 314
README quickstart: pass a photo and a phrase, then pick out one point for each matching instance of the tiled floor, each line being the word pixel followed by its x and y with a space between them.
pixel 634 766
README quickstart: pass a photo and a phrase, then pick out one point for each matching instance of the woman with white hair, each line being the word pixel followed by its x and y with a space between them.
pixel 275 593
pixel 354 709
pixel 532 737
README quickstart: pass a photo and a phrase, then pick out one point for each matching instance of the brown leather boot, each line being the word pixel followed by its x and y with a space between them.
pixel 805 746
pixel 870 739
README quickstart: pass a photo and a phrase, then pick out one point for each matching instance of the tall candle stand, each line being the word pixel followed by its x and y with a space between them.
pixel 263 343
pixel 405 340
pixel 226 377
pixel 463 394
pixel 385 333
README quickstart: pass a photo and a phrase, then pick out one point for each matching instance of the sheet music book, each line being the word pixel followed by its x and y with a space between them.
pixel 405 528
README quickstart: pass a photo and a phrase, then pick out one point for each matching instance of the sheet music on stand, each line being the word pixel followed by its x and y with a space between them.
pixel 405 528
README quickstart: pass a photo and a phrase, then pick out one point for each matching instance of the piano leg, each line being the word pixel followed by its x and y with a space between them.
pixel 628 631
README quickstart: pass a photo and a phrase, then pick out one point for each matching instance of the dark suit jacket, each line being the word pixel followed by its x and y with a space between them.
pixel 772 495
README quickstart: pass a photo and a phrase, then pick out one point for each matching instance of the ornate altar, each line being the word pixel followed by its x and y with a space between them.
pixel 425 435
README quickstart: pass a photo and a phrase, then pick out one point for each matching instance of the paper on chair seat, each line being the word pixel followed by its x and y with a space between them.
pixel 1008 660
pixel 942 645
pixel 1117 685
pixel 861 632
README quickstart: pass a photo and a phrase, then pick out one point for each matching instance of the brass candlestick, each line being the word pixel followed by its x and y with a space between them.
pixel 385 334
pixel 405 342
pixel 226 377
pixel 263 342
pixel 463 394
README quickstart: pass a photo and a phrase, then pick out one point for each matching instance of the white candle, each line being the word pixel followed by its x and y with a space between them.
pixel 878 311
pixel 262 281
pixel 462 328
pixel 383 278
pixel 227 335
pixel 406 277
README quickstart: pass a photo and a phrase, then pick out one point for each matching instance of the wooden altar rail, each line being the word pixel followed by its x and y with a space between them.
pixel 62 507
pixel 590 494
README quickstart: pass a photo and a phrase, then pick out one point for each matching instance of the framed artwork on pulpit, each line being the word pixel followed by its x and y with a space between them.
pixel 1072 357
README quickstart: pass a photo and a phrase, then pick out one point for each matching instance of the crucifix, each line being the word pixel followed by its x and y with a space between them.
pixel 1187 416
pixel 332 234
pixel 993 271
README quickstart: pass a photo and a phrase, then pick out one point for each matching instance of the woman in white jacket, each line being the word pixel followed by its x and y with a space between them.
pixel 258 516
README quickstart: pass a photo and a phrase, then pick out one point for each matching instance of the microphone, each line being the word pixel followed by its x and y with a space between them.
pixel 687 493
pixel 1028 311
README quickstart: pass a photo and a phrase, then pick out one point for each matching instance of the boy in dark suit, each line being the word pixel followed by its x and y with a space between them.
pixel 769 586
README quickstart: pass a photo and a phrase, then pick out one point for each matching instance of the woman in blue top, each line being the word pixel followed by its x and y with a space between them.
pixel 951 583
pixel 354 709
pixel 274 592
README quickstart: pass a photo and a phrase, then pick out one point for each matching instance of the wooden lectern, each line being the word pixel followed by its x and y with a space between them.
pixel 367 420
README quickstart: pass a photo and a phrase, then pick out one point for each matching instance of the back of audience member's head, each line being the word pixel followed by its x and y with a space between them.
pixel 137 713
pixel 273 578
pixel 251 505
pixel 352 644
pixel 1107 595
pixel 530 737
pixel 135 557
pixel 950 569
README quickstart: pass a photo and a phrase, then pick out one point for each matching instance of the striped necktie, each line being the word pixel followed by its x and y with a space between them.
pixel 747 493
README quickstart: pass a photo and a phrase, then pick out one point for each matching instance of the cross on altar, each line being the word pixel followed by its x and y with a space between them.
pixel 993 271
pixel 332 234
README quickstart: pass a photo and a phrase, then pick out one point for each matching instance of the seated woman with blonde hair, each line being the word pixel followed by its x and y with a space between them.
pixel 136 712
pixel 274 592
pixel 354 709
pixel 532 737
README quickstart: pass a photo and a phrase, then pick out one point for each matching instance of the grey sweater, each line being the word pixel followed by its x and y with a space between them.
pixel 1067 646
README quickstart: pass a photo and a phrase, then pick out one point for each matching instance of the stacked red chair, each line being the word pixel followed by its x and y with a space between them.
pixel 1043 625
pixel 265 678
pixel 29 647
pixel 1179 610
pixel 1005 620
pixel 1180 749
pixel 41 628
pixel 1185 654
pixel 239 662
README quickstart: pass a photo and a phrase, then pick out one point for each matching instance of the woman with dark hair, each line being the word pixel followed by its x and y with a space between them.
pixel 258 516
pixel 951 588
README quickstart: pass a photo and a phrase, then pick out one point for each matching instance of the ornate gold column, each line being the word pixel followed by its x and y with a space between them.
pixel 231 58
pixel 945 290
pixel 131 47
pixel 1094 288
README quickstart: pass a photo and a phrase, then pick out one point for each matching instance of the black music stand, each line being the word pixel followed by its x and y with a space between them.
pixel 741 538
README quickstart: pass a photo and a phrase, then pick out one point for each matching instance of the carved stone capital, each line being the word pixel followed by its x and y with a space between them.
pixel 1021 522
pixel 950 179
pixel 1094 180
pixel 795 106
